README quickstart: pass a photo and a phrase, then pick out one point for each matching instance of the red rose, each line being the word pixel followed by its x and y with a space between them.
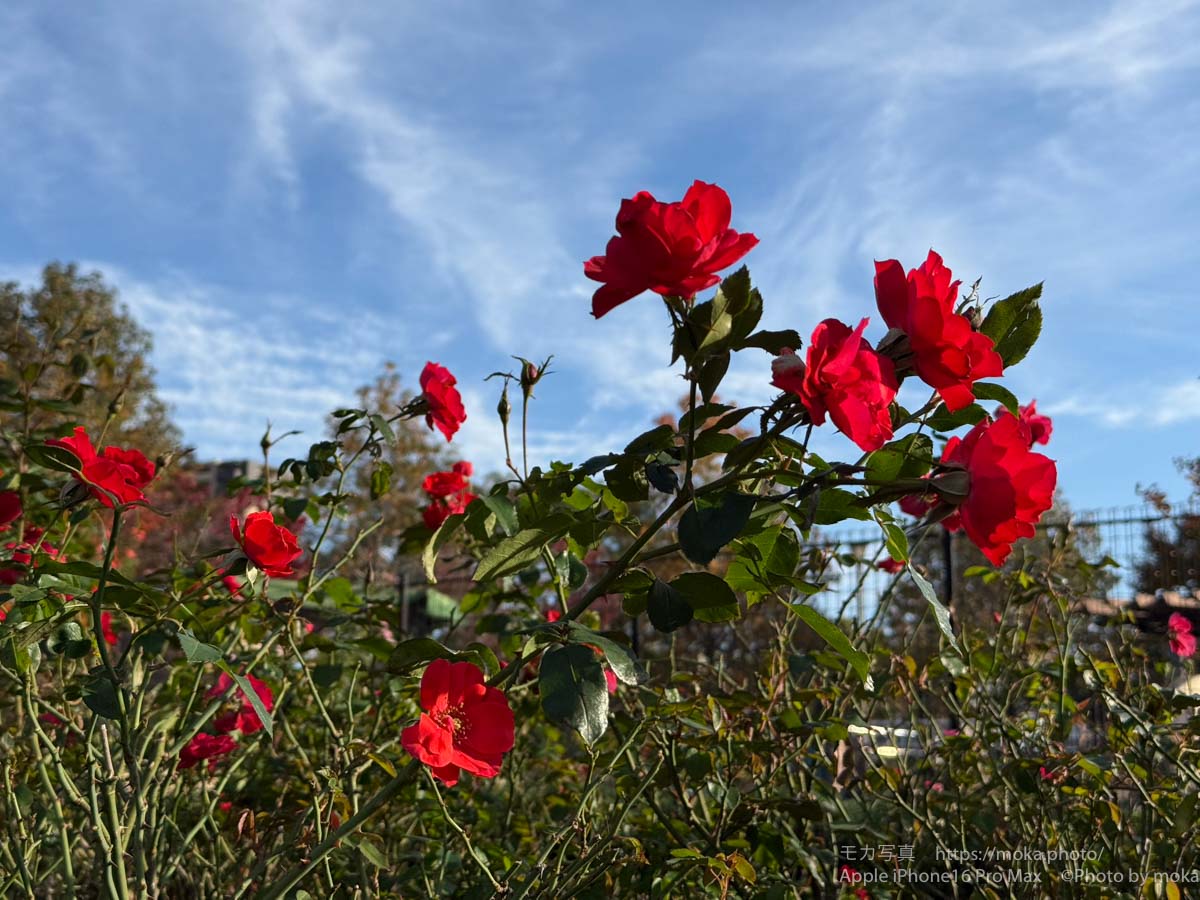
pixel 111 472
pixel 10 508
pixel 465 723
pixel 847 379
pixel 441 509
pixel 890 565
pixel 444 403
pixel 1038 426
pixel 22 553
pixel 1010 485
pixel 106 622
pixel 270 547
pixel 245 719
pixel 233 586
pixel 669 248
pixel 1179 631
pixel 206 746
pixel 450 494
pixel 443 484
pixel 948 353
pixel 787 371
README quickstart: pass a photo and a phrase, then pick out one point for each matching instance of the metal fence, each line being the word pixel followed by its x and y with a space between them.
pixel 1119 533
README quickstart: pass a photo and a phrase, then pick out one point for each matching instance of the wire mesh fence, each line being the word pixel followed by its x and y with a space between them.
pixel 1148 549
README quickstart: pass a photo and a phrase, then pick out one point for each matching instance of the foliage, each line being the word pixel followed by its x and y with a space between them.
pixel 667 711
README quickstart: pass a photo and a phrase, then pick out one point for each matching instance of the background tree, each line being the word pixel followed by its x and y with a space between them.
pixel 68 346
pixel 1172 552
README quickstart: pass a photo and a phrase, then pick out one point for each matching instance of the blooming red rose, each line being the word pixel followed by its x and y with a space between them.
pixel 450 494
pixel 948 353
pixel 465 723
pixel 848 380
pixel 272 548
pixel 10 508
pixel 1010 485
pixel 111 472
pixel 443 484
pixel 669 248
pixel 1038 425
pixel 206 747
pixel 1179 632
pixel 245 719
pixel 444 403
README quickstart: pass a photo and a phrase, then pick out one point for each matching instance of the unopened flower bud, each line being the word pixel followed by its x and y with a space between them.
pixel 504 408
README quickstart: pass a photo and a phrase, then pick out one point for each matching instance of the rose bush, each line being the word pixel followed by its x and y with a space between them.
pixel 636 693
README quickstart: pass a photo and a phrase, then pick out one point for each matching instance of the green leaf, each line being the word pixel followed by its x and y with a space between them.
pixel 1016 346
pixel 662 477
pixel 837 640
pixel 711 523
pixel 774 342
pixel 627 481
pixel 57 459
pixel 522 549
pixel 381 479
pixel 897 541
pixel 506 513
pixel 69 640
pixel 415 652
pixel 940 613
pixel 371 853
pixel 574 690
pixel 836 505
pixel 1005 314
pixel 101 697
pixel 437 540
pixel 620 659
pixel 294 507
pixel 195 650
pixel 264 715
pixel 944 420
pixel 987 391
pixel 658 438
pixel 711 599
pixel 666 607
pixel 1014 324
pixel 736 291
pixel 909 457
pixel 711 373
pixel 384 428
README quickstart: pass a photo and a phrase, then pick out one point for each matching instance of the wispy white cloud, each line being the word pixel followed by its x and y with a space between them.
pixel 1156 406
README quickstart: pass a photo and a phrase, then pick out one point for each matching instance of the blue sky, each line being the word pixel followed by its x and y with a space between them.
pixel 289 194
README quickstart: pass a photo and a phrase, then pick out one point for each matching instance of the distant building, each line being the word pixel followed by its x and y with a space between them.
pixel 218 474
